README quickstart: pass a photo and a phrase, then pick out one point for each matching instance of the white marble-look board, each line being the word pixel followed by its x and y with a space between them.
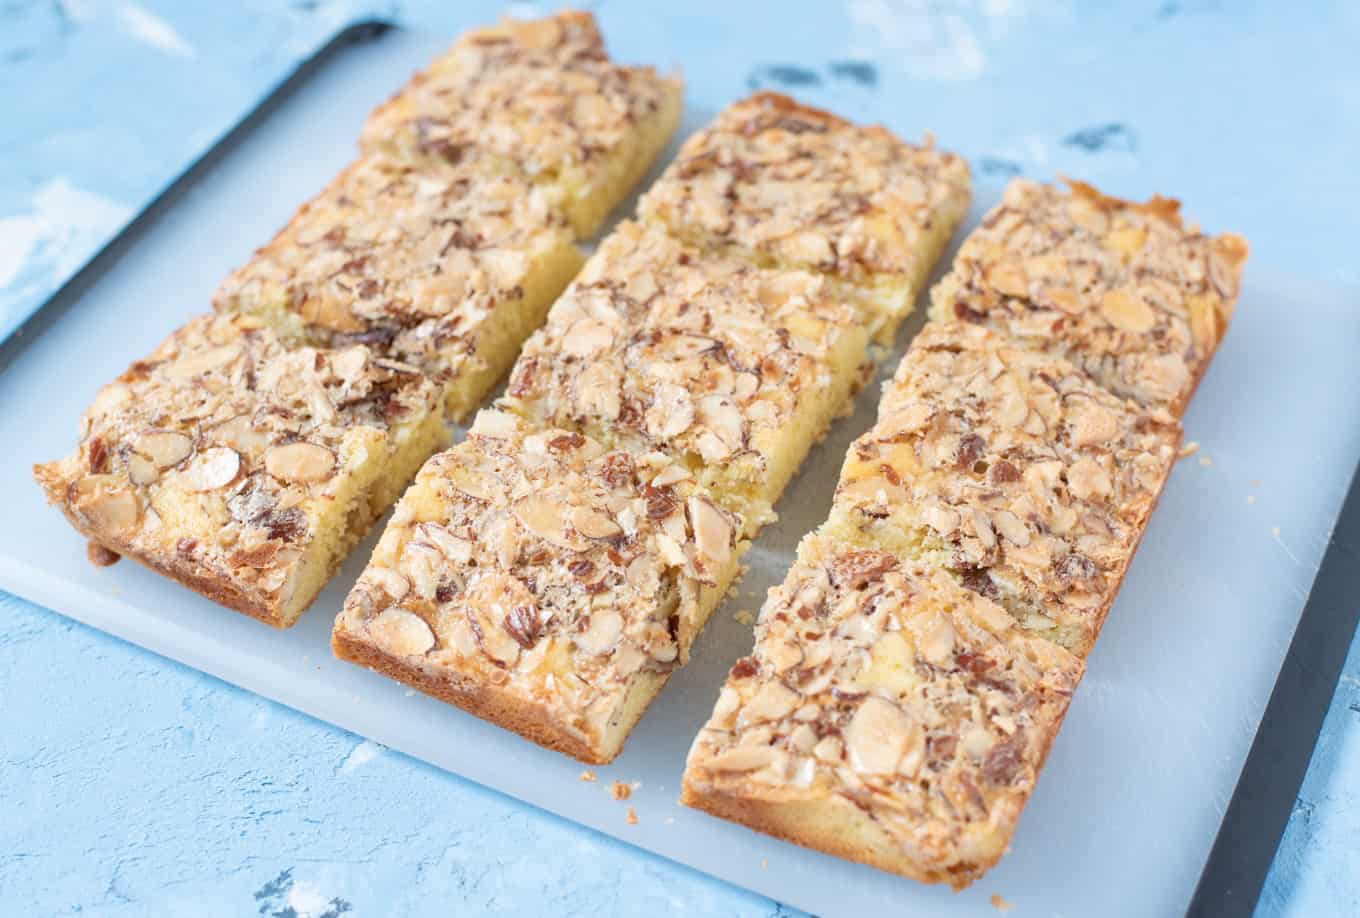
pixel 1134 790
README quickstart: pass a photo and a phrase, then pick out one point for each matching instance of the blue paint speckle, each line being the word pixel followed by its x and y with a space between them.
pixel 1103 137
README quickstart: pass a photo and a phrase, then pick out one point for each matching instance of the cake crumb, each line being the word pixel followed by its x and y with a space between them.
pixel 100 556
pixel 745 616
pixel 1189 449
pixel 1205 461
pixel 588 776
pixel 620 791
pixel 631 816
pixel 1000 904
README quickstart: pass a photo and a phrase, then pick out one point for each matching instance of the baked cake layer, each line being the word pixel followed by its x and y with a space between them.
pixel 886 715
pixel 542 581
pixel 241 469
pixel 444 268
pixel 1127 291
pixel 733 371
pixel 1012 470
pixel 539 99
pixel 789 186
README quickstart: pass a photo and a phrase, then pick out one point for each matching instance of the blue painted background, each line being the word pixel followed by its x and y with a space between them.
pixel 130 785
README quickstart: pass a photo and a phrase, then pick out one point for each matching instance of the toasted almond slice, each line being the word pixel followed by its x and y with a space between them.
pixel 593 524
pixel 215 467
pixel 301 461
pixel 602 633
pixel 166 448
pixel 712 532
pixel 108 508
pixel 743 758
pixel 401 633
pixel 877 736
pixel 196 363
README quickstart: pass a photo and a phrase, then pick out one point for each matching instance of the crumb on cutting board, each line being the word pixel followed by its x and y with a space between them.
pixel 1000 904
pixel 1189 449
pixel 620 791
pixel 631 816
pixel 588 775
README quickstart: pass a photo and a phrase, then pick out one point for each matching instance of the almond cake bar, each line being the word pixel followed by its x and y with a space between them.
pixel 1011 469
pixel 444 268
pixel 539 99
pixel 733 371
pixel 243 470
pixel 543 582
pixel 1124 290
pixel 887 715
pixel 785 185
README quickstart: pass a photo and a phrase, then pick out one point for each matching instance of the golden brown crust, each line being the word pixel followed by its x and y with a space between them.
pixel 507 709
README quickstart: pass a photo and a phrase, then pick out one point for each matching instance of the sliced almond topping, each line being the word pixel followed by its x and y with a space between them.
pixel 492 423
pixel 1091 424
pixel 215 467
pixel 240 434
pixel 670 475
pixel 1011 527
pixel 712 533
pixel 719 414
pixel 593 524
pixel 1127 312
pixel 772 701
pixel 602 634
pixel 877 736
pixel 941 518
pixel 392 583
pixel 934 637
pixel 457 550
pixel 400 632
pixel 587 337
pixel 982 525
pixel 108 507
pixel 196 363
pixel 546 518
pixel 300 461
pixel 743 758
pixel 166 448
pixel 141 470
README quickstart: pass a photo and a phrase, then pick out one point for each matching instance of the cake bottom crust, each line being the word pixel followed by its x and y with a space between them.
pixel 831 825
pixel 506 709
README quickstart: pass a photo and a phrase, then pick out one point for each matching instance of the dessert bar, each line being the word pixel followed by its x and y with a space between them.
pixel 1012 470
pixel 243 470
pixel 733 371
pixel 443 268
pixel 539 99
pixel 789 186
pixel 886 715
pixel 1126 291
pixel 543 582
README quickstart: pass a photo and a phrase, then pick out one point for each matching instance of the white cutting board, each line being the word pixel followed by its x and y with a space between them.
pixel 1135 788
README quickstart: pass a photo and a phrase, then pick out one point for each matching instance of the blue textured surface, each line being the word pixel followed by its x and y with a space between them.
pixel 130 785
